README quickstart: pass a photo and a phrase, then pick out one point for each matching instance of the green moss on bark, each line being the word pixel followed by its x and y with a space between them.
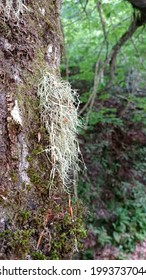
pixel 39 224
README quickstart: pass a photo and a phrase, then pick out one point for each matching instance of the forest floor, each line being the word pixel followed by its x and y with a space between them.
pixel 112 253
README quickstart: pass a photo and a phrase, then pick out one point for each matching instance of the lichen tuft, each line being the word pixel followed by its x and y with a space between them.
pixel 58 105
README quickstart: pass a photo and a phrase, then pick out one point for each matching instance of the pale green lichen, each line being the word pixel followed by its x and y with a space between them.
pixel 59 115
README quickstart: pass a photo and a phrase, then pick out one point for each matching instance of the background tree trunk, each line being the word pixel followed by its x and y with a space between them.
pixel 34 217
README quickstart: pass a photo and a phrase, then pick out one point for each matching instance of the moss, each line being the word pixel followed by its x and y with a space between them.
pixel 18 242
pixel 38 256
pixel 34 176
pixel 25 215
pixel 21 237
pixel 14 176
pixel 61 235
pixel 67 237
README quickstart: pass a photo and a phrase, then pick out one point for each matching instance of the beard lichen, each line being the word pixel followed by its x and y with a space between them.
pixel 58 106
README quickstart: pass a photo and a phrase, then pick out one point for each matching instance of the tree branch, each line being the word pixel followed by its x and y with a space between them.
pixel 103 25
pixel 111 60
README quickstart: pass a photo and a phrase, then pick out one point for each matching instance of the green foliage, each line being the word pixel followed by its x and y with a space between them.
pixel 114 143
pixel 84 38
pixel 104 115
pixel 118 200
pixel 103 237
pixel 115 154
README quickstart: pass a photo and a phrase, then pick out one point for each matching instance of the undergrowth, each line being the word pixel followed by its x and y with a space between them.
pixel 115 195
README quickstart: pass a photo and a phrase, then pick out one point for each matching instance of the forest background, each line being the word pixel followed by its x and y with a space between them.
pixel 104 59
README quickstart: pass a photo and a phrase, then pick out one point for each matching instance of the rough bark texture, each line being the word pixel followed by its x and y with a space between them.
pixel 35 221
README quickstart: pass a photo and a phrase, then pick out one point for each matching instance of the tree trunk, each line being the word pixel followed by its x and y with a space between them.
pixel 35 221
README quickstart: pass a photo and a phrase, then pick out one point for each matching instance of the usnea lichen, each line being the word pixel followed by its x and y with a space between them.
pixel 58 105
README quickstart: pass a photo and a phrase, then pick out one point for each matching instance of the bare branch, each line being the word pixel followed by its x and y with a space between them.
pixel 96 82
pixel 84 6
pixel 111 60
pixel 116 48
pixel 103 25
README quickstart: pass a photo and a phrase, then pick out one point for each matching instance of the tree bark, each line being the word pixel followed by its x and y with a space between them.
pixel 138 3
pixel 35 222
